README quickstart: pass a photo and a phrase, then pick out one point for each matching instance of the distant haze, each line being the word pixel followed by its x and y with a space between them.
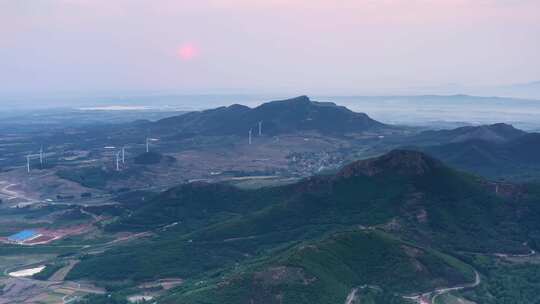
pixel 84 47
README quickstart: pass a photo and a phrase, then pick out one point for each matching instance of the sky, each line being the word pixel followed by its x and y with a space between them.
pixel 308 46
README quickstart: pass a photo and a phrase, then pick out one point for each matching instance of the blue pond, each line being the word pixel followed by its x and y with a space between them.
pixel 23 235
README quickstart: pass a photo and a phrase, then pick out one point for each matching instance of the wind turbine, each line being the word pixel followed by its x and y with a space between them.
pixel 28 163
pixel 148 140
pixel 250 136
pixel 260 128
pixel 109 148
pixel 41 155
pixel 123 155
pixel 118 161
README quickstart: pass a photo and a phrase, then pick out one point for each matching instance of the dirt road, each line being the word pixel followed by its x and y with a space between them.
pixel 351 296
pixel 424 298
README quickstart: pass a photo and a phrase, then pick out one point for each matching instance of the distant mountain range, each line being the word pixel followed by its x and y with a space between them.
pixel 497 133
pixel 446 110
pixel 529 90
pixel 373 231
pixel 517 158
pixel 526 90
pixel 276 117
pixel 494 151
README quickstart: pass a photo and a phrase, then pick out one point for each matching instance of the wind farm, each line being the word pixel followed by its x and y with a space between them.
pixel 83 197
pixel 269 152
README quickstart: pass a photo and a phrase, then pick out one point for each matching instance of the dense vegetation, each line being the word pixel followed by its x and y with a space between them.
pixel 327 232
pixel 193 205
pixel 517 159
pixel 91 177
pixel 95 177
pixel 49 270
pixel 495 133
pixel 505 281
pixel 326 271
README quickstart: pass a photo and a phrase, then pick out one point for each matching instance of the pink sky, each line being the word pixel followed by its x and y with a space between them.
pixel 305 45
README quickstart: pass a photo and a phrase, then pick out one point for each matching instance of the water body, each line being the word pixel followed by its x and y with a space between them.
pixel 23 235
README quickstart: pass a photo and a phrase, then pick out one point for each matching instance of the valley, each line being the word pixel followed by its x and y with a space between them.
pixel 269 152
pixel 292 201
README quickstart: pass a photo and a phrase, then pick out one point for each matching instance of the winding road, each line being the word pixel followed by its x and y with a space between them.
pixel 421 298
pixel 351 296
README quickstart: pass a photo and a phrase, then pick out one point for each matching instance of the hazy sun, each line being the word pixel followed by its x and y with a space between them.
pixel 187 51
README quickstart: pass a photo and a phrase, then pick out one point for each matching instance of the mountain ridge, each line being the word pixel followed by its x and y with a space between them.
pixel 276 117
pixel 498 132
pixel 403 209
pixel 400 161
pixel 518 157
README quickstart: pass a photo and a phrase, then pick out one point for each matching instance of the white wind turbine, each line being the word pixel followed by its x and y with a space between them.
pixel 148 140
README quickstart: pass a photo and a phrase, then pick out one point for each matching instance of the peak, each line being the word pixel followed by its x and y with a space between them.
pixel 235 107
pixel 499 127
pixel 404 162
pixel 502 125
pixel 295 102
pixel 506 130
pixel 300 99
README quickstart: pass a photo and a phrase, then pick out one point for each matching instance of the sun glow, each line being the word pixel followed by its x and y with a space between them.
pixel 187 52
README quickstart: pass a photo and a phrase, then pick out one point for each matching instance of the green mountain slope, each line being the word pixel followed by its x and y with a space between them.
pixel 326 271
pixel 196 205
pixel 416 195
pixel 203 232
